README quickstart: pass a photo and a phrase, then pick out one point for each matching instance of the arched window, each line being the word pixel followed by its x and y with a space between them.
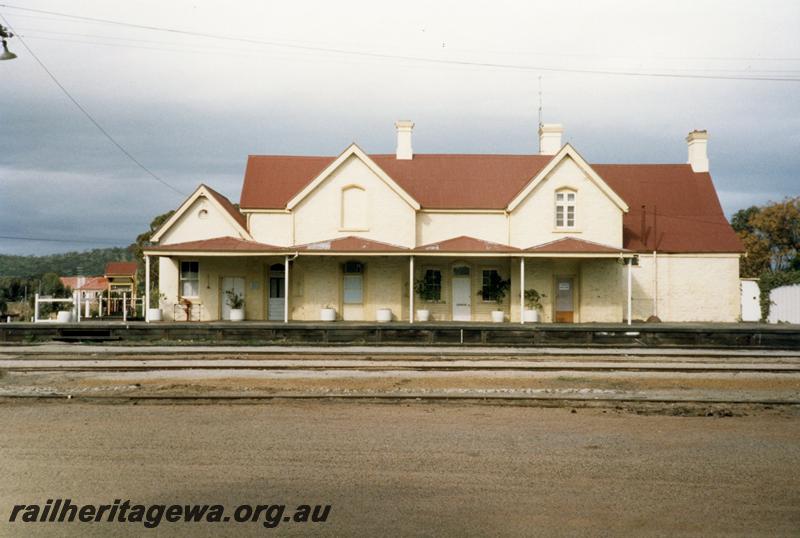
pixel 354 208
pixel 565 208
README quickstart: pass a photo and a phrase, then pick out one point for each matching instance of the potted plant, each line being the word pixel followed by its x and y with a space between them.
pixel 154 308
pixel 533 300
pixel 327 313
pixel 428 289
pixel 496 290
pixel 236 302
pixel 383 315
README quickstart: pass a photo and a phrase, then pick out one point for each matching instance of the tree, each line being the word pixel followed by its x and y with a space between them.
pixel 770 235
pixel 143 240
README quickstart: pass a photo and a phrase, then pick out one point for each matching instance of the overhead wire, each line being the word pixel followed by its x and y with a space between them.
pixel 381 55
pixel 89 115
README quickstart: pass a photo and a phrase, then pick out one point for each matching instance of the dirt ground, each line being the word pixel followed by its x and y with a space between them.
pixel 421 469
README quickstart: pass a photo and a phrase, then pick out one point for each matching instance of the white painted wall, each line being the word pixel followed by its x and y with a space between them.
pixel 390 219
pixel 195 226
pixel 690 288
pixel 271 228
pixel 597 218
pixel 433 227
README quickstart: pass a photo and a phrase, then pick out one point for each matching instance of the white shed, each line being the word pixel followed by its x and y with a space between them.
pixel 751 303
pixel 785 304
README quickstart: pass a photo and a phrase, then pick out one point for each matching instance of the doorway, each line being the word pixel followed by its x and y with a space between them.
pixel 277 292
pixel 565 299
pixel 234 284
pixel 462 293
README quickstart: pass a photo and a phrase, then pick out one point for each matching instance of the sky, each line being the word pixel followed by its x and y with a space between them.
pixel 309 78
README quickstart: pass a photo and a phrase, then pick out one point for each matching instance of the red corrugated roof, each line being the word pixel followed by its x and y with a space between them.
pixel 121 268
pixel 350 243
pixel 90 283
pixel 218 244
pixel 689 218
pixel 229 207
pixel 465 243
pixel 573 245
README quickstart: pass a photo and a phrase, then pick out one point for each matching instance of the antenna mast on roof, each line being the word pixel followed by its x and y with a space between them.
pixel 540 100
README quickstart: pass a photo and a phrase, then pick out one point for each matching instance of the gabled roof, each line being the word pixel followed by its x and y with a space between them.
pixel 573 245
pixel 217 244
pixel 121 268
pixel 435 181
pixel 228 206
pixel 350 243
pixel 237 220
pixel 690 218
pixel 466 244
pixel 352 151
pixel 567 151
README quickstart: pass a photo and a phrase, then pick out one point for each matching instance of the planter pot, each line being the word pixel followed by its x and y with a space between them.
pixel 383 315
pixel 237 314
pixel 154 314
pixel 423 315
pixel 530 316
pixel 64 316
pixel 498 316
pixel 327 314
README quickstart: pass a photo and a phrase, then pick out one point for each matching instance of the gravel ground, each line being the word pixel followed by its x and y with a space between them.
pixel 417 469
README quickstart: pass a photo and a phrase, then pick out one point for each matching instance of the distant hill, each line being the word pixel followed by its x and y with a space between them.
pixel 90 262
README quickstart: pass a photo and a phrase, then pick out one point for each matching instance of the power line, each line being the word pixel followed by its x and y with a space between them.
pixel 89 116
pixel 423 59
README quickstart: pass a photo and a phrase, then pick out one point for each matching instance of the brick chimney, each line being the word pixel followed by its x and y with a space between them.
pixel 698 150
pixel 404 150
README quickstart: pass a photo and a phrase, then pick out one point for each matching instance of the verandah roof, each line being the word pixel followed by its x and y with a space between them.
pixel 353 245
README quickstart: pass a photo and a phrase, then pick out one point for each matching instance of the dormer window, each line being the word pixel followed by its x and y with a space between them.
pixel 565 209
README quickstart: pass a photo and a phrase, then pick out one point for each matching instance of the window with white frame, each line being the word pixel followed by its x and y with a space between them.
pixel 565 209
pixel 190 279
pixel 353 283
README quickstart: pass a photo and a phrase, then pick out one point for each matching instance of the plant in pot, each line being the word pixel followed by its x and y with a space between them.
pixel 154 308
pixel 533 300
pixel 327 313
pixel 236 302
pixel 495 290
pixel 428 288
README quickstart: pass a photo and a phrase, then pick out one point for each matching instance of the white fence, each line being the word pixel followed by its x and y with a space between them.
pixel 84 308
pixel 785 304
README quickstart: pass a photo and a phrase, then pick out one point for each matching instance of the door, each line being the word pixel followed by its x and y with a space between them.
pixel 462 294
pixel 565 299
pixel 277 293
pixel 751 301
pixel 234 284
pixel 353 291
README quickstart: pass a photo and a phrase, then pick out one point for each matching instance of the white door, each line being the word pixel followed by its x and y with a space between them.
pixel 751 301
pixel 462 298
pixel 277 294
pixel 235 284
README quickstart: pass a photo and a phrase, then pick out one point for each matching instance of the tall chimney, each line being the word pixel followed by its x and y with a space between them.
pixel 404 150
pixel 698 150
pixel 550 138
